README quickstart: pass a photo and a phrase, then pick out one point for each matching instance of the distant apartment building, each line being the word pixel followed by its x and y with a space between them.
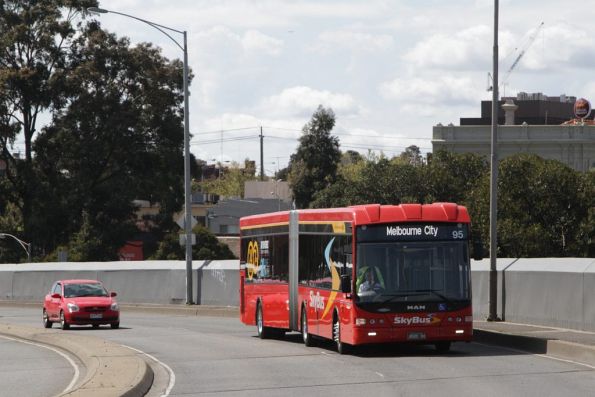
pixel 528 123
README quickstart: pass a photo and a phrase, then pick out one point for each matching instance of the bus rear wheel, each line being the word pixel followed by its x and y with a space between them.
pixel 262 331
pixel 305 335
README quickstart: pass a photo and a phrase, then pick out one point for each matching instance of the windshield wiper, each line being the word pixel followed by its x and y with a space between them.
pixel 400 295
pixel 436 293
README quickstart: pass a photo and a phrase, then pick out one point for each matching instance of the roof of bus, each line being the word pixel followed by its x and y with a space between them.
pixel 368 214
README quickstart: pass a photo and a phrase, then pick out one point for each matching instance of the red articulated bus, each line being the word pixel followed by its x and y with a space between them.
pixel 358 275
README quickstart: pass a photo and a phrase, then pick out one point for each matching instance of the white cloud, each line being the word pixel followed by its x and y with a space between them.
pixel 561 47
pixel 354 41
pixel 302 101
pixel 464 50
pixel 445 90
pixel 251 42
pixel 255 41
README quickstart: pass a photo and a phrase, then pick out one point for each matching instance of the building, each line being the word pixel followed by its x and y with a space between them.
pixel 276 189
pixel 572 144
pixel 223 219
pixel 533 109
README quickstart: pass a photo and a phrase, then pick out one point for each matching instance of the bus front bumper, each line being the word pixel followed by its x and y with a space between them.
pixel 461 333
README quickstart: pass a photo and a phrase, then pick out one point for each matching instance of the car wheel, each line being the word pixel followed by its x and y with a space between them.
pixel 442 347
pixel 262 331
pixel 115 325
pixel 46 320
pixel 63 323
pixel 342 348
pixel 305 334
pixel 95 326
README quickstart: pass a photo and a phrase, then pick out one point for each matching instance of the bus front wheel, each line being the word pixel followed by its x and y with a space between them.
pixel 342 348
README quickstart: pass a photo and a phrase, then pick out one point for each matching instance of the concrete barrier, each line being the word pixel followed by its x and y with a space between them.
pixel 155 282
pixel 558 292
pixel 555 292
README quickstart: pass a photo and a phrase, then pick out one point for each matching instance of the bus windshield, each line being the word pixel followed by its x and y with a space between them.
pixel 407 271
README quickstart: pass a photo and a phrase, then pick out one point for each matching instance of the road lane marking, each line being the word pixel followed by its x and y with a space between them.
pixel 172 375
pixel 537 354
pixel 71 361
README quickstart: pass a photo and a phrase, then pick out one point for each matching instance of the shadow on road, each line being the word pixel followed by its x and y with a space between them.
pixel 460 349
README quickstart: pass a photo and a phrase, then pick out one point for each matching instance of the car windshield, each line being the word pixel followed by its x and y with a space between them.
pixel 84 289
pixel 421 271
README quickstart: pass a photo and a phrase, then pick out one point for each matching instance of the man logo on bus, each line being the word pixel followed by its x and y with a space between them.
pixel 252 259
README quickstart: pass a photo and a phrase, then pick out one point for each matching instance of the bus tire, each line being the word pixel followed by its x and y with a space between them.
pixel 307 338
pixel 342 348
pixel 262 331
pixel 443 347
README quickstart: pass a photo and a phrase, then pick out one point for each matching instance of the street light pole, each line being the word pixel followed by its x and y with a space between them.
pixel 187 186
pixel 26 246
pixel 493 279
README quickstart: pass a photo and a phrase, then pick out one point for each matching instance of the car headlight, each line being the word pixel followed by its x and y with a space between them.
pixel 73 307
pixel 115 307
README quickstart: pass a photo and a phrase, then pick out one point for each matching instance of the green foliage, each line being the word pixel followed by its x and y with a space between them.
pixel 231 183
pixel 313 166
pixel 116 135
pixel 544 209
pixel 36 37
pixel 373 180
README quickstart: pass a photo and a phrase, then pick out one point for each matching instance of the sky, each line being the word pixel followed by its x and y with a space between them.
pixel 389 69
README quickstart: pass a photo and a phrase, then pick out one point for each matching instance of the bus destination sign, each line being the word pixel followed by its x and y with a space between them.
pixel 413 232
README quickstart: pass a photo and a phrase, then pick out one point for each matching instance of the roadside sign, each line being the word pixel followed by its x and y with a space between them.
pixel 181 222
pixel 183 239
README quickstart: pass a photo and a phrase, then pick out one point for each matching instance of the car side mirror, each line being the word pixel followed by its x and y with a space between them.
pixel 345 284
pixel 56 296
pixel 112 294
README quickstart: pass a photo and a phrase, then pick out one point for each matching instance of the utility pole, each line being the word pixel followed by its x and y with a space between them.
pixel 261 156
pixel 493 286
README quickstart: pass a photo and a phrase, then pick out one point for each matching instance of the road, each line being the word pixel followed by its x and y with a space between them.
pixel 32 370
pixel 218 356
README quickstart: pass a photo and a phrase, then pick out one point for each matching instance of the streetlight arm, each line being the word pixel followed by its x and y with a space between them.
pixel 153 24
pixel 24 245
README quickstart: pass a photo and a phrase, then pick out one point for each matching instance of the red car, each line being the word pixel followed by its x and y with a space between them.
pixel 80 302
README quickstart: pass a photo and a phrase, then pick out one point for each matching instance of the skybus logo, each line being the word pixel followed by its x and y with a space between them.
pixel 316 301
pixel 430 319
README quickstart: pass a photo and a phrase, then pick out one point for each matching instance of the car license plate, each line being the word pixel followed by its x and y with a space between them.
pixel 416 336
pixel 96 315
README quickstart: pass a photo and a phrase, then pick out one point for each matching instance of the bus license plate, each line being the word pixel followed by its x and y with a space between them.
pixel 416 336
pixel 96 315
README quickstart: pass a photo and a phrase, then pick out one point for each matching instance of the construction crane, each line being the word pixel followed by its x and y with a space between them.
pixel 523 50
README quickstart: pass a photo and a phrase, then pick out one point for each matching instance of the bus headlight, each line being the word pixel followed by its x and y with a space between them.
pixel 360 321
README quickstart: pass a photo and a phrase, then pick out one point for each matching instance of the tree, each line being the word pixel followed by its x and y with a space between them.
pixel 118 138
pixel 375 179
pixel 452 177
pixel 231 182
pixel 542 208
pixel 36 37
pixel 313 166
pixel 412 155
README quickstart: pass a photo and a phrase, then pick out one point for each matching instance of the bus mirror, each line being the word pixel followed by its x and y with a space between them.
pixel 345 284
pixel 477 250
